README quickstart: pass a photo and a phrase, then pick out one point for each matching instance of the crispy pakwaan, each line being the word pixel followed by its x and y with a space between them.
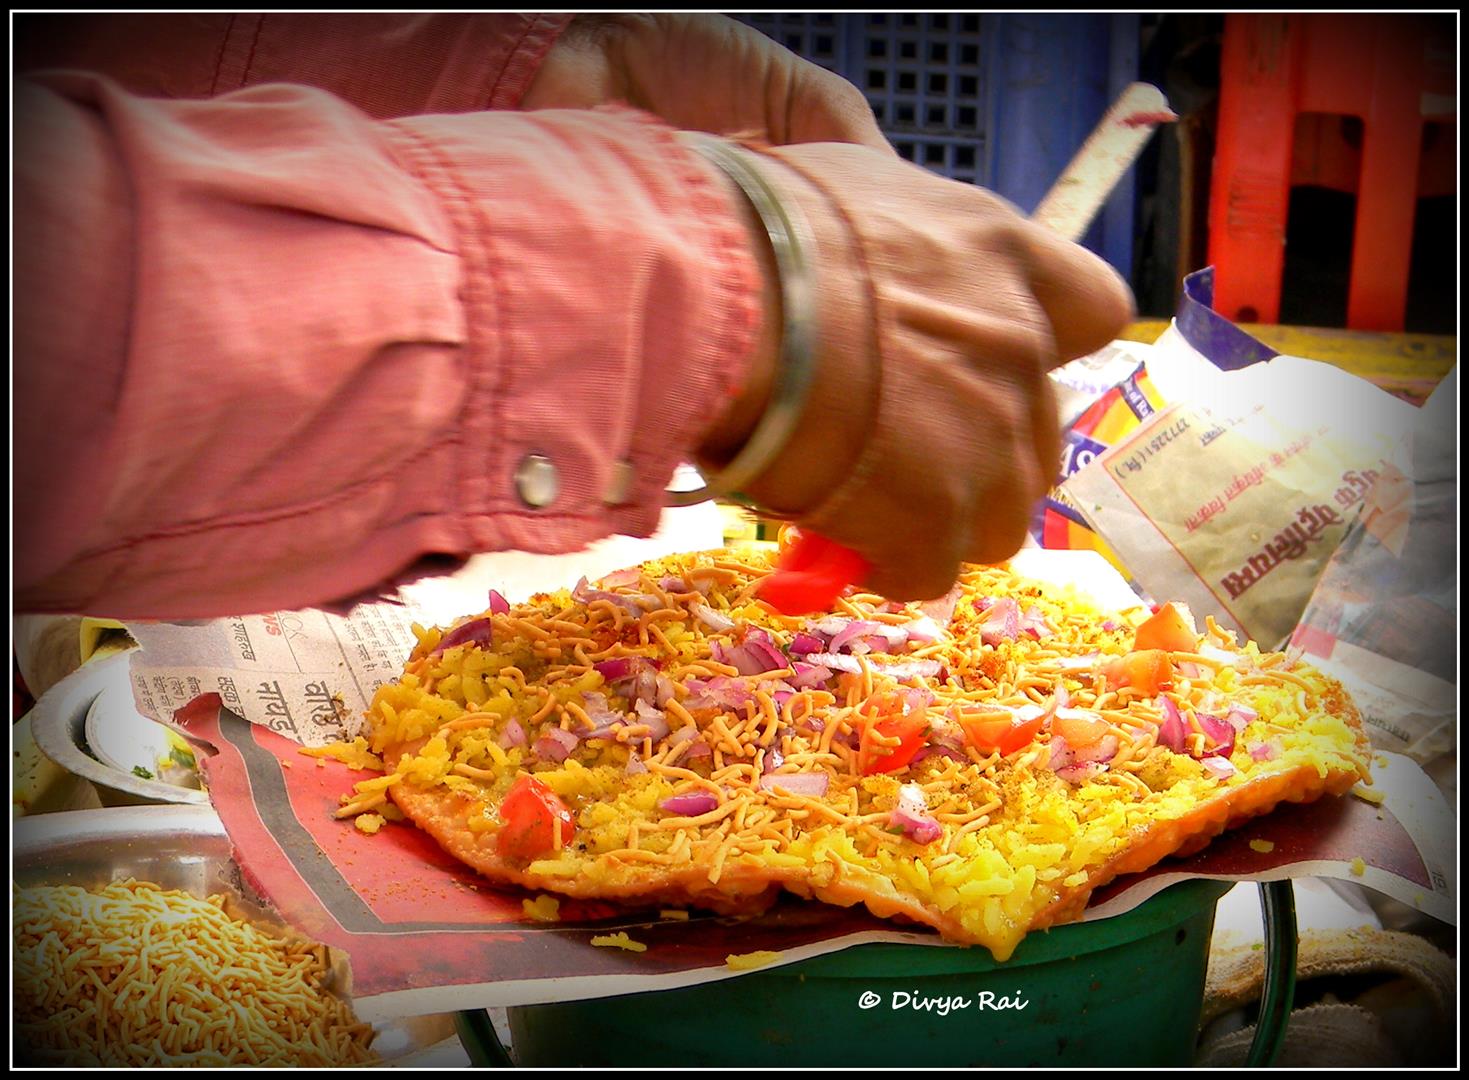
pixel 979 766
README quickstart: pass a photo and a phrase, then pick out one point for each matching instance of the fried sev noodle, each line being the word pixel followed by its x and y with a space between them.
pixel 131 975
pixel 1017 844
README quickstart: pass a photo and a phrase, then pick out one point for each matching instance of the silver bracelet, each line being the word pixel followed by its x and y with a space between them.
pixel 790 238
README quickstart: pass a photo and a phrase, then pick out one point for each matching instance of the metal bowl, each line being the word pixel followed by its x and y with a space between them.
pixel 102 690
pixel 185 847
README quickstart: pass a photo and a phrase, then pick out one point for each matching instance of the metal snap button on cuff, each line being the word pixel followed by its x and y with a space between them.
pixel 536 481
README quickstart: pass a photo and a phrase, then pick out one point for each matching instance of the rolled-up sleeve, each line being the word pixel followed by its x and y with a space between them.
pixel 270 351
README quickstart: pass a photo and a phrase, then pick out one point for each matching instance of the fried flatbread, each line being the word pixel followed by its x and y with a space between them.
pixel 978 766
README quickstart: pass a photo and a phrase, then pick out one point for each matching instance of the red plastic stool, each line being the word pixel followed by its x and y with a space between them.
pixel 1397 73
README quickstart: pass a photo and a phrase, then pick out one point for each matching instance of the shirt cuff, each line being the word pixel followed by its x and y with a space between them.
pixel 611 303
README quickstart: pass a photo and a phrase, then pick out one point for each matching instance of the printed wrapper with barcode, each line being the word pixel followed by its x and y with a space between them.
pixel 1233 497
pixel 1102 399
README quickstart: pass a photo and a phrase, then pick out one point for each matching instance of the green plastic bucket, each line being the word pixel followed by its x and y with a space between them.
pixel 1125 991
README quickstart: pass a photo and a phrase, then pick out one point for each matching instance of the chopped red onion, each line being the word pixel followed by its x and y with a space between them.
pixel 1171 732
pixel 498 604
pixel 720 692
pixel 615 670
pixel 1220 768
pixel 923 631
pixel 513 735
pixel 1061 755
pixel 674 585
pixel 903 669
pixel 687 742
pixel 828 627
pixel 1111 624
pixel 750 658
pixel 603 718
pixel 836 663
pixel 715 620
pixel 1241 717
pixel 1002 622
pixel 915 698
pixel 1265 751
pixel 477 631
pixel 807 676
pixel 1189 670
pixel 1033 622
pixel 635 765
pixel 1080 773
pixel 646 686
pixel 555 744
pixel 762 646
pixel 928 750
pixel 946 733
pixel 655 720
pixel 1219 733
pixel 852 632
pixel 774 759
pixel 912 816
pixel 629 575
pixel 690 804
pixel 863 636
pixel 583 593
pixel 665 692
pixel 812 785
pixel 1104 749
pixel 803 643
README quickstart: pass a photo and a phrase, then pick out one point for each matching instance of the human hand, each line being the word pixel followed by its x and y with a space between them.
pixel 702 72
pixel 931 427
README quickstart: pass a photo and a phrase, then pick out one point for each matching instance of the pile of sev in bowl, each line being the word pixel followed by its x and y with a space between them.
pixel 979 764
pixel 132 975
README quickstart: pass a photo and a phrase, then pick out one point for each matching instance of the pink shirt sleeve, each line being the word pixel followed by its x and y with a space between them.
pixel 271 351
pixel 388 65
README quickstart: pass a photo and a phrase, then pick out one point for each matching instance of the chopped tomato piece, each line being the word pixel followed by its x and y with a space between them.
pixel 1172 629
pixel 909 729
pixel 531 813
pixel 811 572
pixel 1148 670
pixel 1079 731
pixel 990 731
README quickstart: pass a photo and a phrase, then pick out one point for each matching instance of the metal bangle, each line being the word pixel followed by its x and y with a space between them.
pixel 790 237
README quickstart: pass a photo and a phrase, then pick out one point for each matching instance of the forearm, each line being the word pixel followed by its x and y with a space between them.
pixel 272 366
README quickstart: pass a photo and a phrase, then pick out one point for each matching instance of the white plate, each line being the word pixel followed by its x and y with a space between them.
pixel 120 736
pixel 59 723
